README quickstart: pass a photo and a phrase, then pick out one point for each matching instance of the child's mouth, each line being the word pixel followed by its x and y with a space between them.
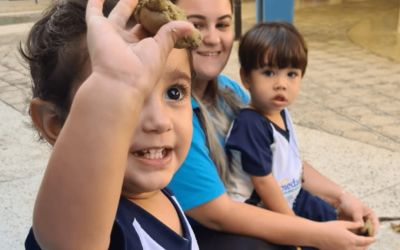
pixel 151 154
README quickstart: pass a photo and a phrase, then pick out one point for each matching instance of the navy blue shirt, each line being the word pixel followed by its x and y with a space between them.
pixel 252 135
pixel 136 229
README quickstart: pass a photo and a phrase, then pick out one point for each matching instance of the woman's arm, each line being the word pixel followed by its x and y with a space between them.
pixel 223 214
pixel 270 193
pixel 348 206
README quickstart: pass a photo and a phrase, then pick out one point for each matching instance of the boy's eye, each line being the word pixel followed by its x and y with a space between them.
pixel 268 73
pixel 292 74
pixel 173 94
pixel 177 92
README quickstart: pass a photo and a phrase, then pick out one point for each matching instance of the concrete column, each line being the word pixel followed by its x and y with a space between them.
pixel 274 10
pixel 398 24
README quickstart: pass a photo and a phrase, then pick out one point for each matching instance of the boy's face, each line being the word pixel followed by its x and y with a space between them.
pixel 272 89
pixel 164 130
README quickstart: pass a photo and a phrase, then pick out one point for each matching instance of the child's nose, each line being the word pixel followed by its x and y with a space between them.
pixel 281 83
pixel 156 117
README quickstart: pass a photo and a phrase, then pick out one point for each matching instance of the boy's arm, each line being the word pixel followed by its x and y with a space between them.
pixel 270 193
pixel 78 198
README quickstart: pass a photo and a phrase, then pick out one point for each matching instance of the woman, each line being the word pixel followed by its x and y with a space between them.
pixel 197 184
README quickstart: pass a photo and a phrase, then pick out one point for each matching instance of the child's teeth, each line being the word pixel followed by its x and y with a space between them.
pixel 152 153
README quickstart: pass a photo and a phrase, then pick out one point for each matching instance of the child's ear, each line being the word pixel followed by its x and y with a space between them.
pixel 44 117
pixel 245 79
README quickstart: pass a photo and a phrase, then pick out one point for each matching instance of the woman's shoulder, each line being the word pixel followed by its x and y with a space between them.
pixel 225 82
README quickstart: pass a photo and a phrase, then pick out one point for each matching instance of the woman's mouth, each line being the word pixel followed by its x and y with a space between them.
pixel 208 54
pixel 151 154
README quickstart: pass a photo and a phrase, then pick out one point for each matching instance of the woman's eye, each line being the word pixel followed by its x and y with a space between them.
pixel 222 25
pixel 197 25
pixel 173 93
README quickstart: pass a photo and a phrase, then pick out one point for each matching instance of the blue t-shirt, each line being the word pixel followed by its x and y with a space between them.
pixel 197 180
pixel 136 229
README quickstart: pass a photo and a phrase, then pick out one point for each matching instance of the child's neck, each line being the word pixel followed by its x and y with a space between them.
pixel 158 205
pixel 273 115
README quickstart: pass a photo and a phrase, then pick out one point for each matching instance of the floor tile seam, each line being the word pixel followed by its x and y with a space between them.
pixel 11 106
pixel 22 178
pixel 368 128
pixel 380 190
pixel 314 125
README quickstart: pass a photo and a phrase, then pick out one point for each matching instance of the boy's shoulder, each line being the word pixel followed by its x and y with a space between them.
pixel 249 117
pixel 138 226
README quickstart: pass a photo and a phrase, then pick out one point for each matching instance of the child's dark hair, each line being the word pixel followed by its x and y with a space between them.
pixel 55 51
pixel 280 41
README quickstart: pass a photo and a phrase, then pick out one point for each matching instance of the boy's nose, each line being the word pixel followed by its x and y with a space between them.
pixel 280 83
pixel 156 117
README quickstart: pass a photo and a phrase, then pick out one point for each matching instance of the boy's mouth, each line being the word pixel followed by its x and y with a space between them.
pixel 280 98
pixel 151 154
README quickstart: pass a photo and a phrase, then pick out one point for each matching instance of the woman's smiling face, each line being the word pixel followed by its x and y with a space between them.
pixel 213 18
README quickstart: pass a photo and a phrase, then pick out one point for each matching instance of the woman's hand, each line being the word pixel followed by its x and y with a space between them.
pixel 350 208
pixel 337 235
pixel 127 54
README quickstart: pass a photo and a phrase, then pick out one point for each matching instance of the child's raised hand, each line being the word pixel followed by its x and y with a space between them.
pixel 126 54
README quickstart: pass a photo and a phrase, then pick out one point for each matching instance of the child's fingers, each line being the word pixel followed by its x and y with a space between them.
pixel 169 34
pixel 94 8
pixel 139 33
pixel 122 12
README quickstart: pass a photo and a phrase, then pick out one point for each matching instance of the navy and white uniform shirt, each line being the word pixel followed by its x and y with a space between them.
pixel 257 147
pixel 135 229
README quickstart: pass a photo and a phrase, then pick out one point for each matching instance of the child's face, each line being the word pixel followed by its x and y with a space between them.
pixel 164 130
pixel 213 18
pixel 273 89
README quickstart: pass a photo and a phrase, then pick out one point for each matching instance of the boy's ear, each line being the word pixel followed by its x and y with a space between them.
pixel 44 117
pixel 245 79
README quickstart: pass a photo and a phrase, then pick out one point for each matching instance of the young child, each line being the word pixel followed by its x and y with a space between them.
pixel 116 106
pixel 265 164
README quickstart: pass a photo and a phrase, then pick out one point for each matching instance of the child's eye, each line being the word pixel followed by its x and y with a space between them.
pixel 176 92
pixel 268 73
pixel 294 74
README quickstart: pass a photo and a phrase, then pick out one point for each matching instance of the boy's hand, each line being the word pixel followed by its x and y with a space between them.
pixel 126 54
pixel 353 209
pixel 339 236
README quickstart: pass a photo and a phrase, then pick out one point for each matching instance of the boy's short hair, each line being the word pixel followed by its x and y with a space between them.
pixel 55 52
pixel 280 41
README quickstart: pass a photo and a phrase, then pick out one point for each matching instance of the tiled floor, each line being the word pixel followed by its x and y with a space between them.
pixel 347 115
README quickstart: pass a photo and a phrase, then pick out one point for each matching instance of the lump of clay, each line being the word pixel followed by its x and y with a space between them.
pixel 368 228
pixel 153 14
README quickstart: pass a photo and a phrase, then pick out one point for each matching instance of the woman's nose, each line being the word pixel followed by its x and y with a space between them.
pixel 156 116
pixel 211 36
